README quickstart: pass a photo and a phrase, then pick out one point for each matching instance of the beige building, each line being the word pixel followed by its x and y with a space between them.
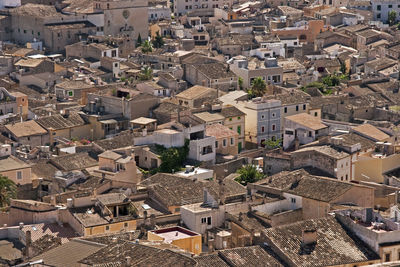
pixel 28 133
pixel 125 18
pixel 178 236
pixel 301 129
pixel 32 22
pixel 15 102
pixel 68 126
pixel 194 96
pixel 117 167
pixel 226 140
pixel 250 69
pixel 315 195
pixel 16 170
pixel 235 120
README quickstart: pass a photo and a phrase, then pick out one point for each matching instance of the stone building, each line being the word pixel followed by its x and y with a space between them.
pixel 124 18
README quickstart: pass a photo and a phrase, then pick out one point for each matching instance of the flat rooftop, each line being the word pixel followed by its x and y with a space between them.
pixel 174 233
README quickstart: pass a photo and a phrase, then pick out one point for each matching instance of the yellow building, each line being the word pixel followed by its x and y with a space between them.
pixel 178 236
pixel 16 170
pixel 372 166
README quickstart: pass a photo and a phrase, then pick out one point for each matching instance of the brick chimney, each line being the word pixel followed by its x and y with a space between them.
pixel 309 236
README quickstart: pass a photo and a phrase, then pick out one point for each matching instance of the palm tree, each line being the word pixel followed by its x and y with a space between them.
pixel 8 190
pixel 249 174
pixel 147 47
pixel 258 87
pixel 146 73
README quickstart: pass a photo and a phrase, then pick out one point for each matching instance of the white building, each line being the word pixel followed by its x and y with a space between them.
pixel 159 12
pixel 381 9
pixel 182 7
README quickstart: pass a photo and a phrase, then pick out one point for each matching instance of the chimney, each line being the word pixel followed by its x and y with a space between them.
pixel 128 260
pixel 28 238
pixel 309 236
pixel 131 236
pixel 53 200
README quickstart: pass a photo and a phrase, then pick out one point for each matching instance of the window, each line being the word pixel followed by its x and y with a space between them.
pixel 378 16
pixel 224 142
pixel 262 117
pixel 273 115
pixel 273 127
pixel 38 33
pixel 316 114
pixel 347 177
pixel 232 141
pixel 209 220
pixel 304 107
pixel 297 108
pixel 230 119
pixel 203 220
pixel 216 144
pixel 390 6
pixel 19 175
pixel 316 132
pixel 126 225
pixel 238 118
pixel 293 200
pixel 239 130
pixel 309 133
pixel 285 110
pixel 24 31
pixel 107 228
pixel 262 129
pixel 387 257
pixel 70 93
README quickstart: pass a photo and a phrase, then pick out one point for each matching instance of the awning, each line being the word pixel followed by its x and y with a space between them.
pixel 109 121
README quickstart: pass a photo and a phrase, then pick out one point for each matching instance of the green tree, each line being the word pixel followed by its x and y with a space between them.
pixel 240 81
pixel 249 174
pixel 331 80
pixel 139 41
pixel 258 87
pixel 343 68
pixel 146 73
pixel 172 158
pixel 158 41
pixel 272 144
pixel 147 47
pixel 8 190
pixel 392 17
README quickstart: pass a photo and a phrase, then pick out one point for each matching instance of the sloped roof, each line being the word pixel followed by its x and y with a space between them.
pixel 334 245
pixel 57 121
pixel 371 132
pixel 311 122
pixel 65 232
pixel 77 161
pixel 110 155
pixel 220 131
pixel 303 184
pixel 26 128
pixel 12 163
pixel 174 190
pixel 248 256
pixel 69 254
pixel 194 92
